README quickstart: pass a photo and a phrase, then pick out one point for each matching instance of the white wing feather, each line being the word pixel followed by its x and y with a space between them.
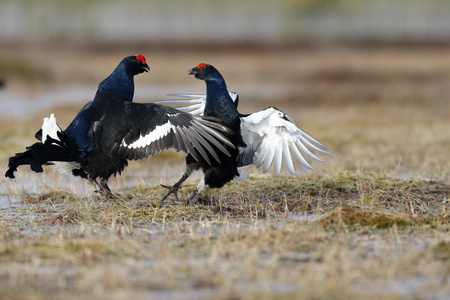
pixel 194 103
pixel 270 135
pixel 276 136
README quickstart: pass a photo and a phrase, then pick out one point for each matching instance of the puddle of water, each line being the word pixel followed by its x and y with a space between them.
pixel 198 293
pixel 30 183
pixel 409 287
pixel 295 216
pixel 303 216
pixel 6 201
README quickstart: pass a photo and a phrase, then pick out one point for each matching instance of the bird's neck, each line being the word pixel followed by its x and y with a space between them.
pixel 217 98
pixel 117 86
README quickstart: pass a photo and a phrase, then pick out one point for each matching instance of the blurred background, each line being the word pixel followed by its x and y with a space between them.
pixel 232 21
pixel 370 79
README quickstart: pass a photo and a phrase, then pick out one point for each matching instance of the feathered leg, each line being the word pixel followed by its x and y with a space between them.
pixel 101 187
pixel 200 187
pixel 105 190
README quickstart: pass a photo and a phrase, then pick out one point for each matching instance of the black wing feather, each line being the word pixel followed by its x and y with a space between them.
pixel 147 129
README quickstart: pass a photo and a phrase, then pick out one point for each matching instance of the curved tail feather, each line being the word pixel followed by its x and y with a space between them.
pixel 53 149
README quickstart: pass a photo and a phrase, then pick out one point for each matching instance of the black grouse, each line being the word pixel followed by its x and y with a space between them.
pixel 112 129
pixel 263 138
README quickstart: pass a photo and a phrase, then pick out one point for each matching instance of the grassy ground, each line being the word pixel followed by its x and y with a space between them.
pixel 371 223
pixel 349 236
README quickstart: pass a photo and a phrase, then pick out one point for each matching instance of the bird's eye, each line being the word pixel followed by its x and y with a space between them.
pixel 202 68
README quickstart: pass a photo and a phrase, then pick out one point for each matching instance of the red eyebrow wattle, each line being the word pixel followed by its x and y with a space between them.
pixel 141 58
pixel 201 65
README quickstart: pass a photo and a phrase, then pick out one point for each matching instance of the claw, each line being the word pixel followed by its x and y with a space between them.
pixel 102 188
pixel 172 190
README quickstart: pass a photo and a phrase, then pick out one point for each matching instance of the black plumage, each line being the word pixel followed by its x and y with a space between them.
pixel 218 105
pixel 262 138
pixel 111 129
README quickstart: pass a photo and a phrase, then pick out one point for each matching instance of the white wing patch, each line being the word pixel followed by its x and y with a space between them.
pixel 194 103
pixel 154 135
pixel 50 128
pixel 272 137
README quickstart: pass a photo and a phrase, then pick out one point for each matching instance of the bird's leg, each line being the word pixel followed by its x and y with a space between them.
pixel 174 188
pixel 94 183
pixel 101 188
pixel 200 187
pixel 97 189
pixel 104 188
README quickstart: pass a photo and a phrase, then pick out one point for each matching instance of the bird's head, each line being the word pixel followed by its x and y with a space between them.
pixel 135 64
pixel 205 72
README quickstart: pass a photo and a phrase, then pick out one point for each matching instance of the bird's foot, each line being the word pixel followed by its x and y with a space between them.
pixel 95 196
pixel 193 198
pixel 100 189
pixel 172 190
pixel 106 193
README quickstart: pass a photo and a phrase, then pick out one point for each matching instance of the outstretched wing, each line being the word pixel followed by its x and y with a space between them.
pixel 194 103
pixel 270 136
pixel 150 128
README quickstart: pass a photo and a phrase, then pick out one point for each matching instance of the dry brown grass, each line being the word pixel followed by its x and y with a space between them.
pixel 369 236
pixel 371 223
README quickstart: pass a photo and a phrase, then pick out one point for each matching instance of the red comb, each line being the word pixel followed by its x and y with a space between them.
pixel 201 65
pixel 141 58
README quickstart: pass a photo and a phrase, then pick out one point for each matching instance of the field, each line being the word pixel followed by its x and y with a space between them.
pixel 371 223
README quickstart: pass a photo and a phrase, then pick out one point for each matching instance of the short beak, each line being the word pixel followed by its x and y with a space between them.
pixel 146 68
pixel 192 71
